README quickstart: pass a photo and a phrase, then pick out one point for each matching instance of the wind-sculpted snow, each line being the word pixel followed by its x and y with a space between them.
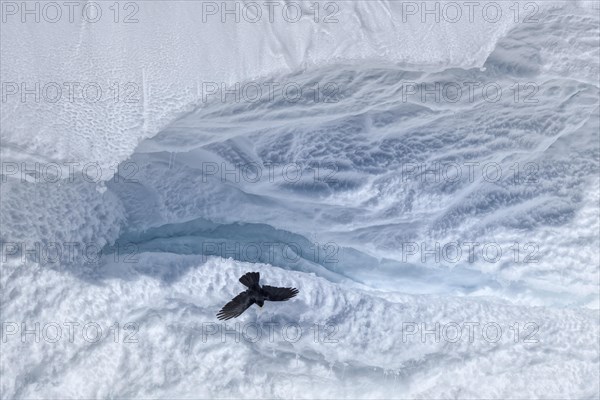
pixel 528 175
pixel 348 192
pixel 81 212
pixel 366 345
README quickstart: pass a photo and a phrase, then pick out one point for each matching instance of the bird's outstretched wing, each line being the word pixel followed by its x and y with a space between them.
pixel 235 307
pixel 279 293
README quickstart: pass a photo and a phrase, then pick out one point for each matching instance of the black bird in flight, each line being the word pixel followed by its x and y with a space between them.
pixel 255 294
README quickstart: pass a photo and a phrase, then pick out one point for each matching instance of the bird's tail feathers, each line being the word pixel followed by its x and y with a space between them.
pixel 250 279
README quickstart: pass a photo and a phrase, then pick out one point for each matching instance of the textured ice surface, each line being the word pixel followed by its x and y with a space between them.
pixel 175 212
pixel 169 65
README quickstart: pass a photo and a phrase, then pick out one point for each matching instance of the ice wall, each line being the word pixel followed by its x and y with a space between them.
pixel 150 65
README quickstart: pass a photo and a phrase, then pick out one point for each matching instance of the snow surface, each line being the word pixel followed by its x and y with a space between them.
pixel 369 293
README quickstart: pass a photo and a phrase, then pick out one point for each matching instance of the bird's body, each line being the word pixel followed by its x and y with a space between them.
pixel 255 294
